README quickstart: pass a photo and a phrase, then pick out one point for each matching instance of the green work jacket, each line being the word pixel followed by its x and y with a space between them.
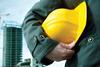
pixel 88 46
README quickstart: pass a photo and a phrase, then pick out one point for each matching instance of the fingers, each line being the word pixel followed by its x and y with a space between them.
pixel 66 53
pixel 71 45
pixel 68 46
pixel 69 53
pixel 61 52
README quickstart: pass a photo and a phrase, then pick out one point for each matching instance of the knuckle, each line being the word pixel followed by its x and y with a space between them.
pixel 64 55
pixel 63 51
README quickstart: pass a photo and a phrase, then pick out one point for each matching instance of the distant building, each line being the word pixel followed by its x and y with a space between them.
pixel 29 63
pixel 12 44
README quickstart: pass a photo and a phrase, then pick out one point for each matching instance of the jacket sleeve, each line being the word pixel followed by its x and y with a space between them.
pixel 71 4
pixel 38 43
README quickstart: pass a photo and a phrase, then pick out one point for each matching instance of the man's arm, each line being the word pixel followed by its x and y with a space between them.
pixel 38 43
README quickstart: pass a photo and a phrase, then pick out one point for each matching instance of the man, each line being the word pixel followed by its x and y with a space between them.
pixel 46 50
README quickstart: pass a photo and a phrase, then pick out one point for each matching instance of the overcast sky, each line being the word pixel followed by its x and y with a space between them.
pixel 17 10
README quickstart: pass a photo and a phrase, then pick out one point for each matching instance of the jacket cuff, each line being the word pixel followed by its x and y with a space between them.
pixel 43 49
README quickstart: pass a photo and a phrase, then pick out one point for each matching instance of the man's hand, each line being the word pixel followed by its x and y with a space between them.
pixel 61 52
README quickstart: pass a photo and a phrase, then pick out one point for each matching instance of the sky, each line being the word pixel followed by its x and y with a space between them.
pixel 17 10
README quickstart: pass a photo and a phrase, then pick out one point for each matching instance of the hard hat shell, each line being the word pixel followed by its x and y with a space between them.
pixel 66 25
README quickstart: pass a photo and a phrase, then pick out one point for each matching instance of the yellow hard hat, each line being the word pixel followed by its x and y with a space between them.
pixel 66 25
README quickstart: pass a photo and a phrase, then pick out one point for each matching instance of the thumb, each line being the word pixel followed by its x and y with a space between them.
pixel 71 45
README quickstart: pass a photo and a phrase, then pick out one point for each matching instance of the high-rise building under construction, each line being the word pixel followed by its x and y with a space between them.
pixel 12 45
